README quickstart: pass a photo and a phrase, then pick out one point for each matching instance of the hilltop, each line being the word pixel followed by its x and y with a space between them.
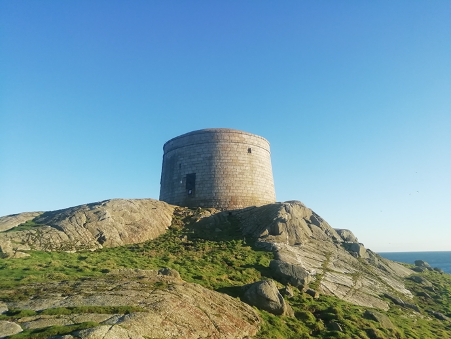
pixel 99 270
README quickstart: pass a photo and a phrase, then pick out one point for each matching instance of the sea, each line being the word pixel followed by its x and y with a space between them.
pixel 435 259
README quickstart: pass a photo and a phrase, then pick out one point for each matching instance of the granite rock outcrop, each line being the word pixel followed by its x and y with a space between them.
pixel 164 306
pixel 10 221
pixel 307 249
pixel 107 223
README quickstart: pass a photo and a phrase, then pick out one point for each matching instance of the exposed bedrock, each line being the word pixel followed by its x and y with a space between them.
pixel 164 307
pixel 10 221
pixel 307 249
pixel 308 252
pixel 107 223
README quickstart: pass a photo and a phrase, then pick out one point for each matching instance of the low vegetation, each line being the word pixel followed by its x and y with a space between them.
pixel 44 333
pixel 222 261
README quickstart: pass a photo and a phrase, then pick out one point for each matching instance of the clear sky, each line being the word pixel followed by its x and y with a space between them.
pixel 354 97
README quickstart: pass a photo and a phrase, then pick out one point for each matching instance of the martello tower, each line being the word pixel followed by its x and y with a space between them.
pixel 217 167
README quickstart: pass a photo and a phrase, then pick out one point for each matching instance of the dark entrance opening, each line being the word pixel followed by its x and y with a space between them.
pixel 190 183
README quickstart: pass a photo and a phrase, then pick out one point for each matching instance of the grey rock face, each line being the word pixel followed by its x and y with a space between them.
pixel 287 291
pixel 346 235
pixel 380 318
pixel 420 280
pixel 3 307
pixel 357 250
pixel 419 269
pixel 440 316
pixel 169 272
pixel 287 273
pixel 9 328
pixel 314 294
pixel 424 294
pixel 8 250
pixel 171 308
pixel 108 223
pixel 402 303
pixel 301 238
pixel 412 306
pixel 334 326
pixel 422 263
pixel 265 295
pixel 107 332
pixel 10 221
pixel 396 300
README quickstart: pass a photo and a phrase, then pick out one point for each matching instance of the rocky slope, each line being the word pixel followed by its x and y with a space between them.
pixel 160 304
pixel 308 254
pixel 108 223
pixel 307 249
pixel 10 221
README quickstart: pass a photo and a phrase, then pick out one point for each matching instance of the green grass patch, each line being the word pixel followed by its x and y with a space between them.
pixel 25 226
pixel 212 263
pixel 46 332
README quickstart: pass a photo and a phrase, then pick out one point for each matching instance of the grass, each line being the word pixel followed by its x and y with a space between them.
pixel 26 226
pixel 213 264
pixel 44 333
pixel 222 261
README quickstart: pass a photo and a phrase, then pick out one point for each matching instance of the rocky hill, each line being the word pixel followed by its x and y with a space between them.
pixel 108 223
pixel 95 271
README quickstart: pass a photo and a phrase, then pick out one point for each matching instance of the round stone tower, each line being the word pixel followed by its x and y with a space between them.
pixel 217 167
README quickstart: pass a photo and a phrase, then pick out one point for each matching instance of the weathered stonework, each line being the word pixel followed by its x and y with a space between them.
pixel 220 168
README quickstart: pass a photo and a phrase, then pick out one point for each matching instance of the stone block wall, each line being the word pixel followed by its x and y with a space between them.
pixel 221 168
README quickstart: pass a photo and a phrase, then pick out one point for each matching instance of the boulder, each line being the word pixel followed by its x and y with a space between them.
pixel 396 300
pixel 286 273
pixel 382 319
pixel 419 269
pixel 424 294
pixel 265 296
pixel 422 263
pixel 400 302
pixel 346 235
pixel 169 272
pixel 439 316
pixel 412 306
pixel 7 250
pixel 287 291
pixel 290 223
pixel 314 294
pixel 3 308
pixel 8 328
pixel 420 280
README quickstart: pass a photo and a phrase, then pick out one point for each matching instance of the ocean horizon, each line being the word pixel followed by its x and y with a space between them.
pixel 440 259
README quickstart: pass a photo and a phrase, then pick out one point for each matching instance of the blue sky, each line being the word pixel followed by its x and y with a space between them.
pixel 354 97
